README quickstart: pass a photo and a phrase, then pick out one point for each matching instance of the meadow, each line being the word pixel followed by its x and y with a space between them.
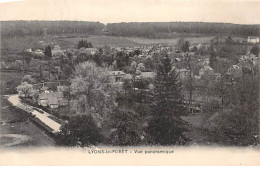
pixel 111 41
pixel 97 41
pixel 170 41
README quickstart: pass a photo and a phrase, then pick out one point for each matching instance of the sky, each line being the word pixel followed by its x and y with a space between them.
pixel 109 11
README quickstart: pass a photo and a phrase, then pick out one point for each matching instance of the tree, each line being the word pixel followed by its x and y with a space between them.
pixel 185 47
pixel 254 50
pixel 81 130
pixel 28 78
pixel 180 43
pixel 165 126
pixel 238 119
pixel 229 40
pixel 128 129
pixel 48 55
pixel 26 58
pixel 190 64
pixel 67 71
pixel 25 89
pixel 92 90
pixel 213 59
pixel 114 65
pixel 84 44
pixel 137 52
pixel 80 44
pixel 47 52
pixel 141 67
pixel 133 67
pixel 194 49
pixel 40 73
pixel 90 45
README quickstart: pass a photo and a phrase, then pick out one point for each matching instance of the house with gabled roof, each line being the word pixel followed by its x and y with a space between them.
pixel 116 76
pixel 52 99
pixel 43 99
pixel 253 39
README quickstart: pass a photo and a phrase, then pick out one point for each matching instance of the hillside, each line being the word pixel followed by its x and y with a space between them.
pixel 131 29
pixel 170 29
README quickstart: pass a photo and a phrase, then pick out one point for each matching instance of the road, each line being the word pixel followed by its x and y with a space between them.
pixel 44 117
pixel 17 130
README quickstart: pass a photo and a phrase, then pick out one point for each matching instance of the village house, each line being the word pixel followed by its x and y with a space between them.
pixel 183 73
pixel 253 39
pixel 248 58
pixel 146 75
pixel 176 60
pixel 57 52
pixel 42 99
pixel 206 70
pixel 38 52
pixel 247 66
pixel 116 76
pixel 52 99
pixel 235 71
pixel 91 51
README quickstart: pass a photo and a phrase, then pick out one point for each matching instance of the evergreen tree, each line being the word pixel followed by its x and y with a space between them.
pixel 40 73
pixel 47 52
pixel 165 126
pixel 90 45
pixel 185 46
pixel 48 55
pixel 80 44
pixel 85 44
pixel 254 50
pixel 213 59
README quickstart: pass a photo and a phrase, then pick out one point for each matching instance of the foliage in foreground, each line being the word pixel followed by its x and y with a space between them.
pixel 81 130
pixel 238 116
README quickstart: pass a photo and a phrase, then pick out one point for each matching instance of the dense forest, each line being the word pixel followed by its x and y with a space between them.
pixel 169 29
pixel 137 29
pixel 38 28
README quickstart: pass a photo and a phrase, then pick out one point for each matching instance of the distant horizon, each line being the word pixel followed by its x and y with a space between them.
pixel 129 22
pixel 242 12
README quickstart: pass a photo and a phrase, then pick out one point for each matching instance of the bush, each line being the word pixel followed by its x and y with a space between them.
pixel 80 131
pixel 128 129
pixel 239 123
pixel 165 130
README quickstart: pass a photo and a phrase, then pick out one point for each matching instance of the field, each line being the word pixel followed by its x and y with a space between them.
pixel 98 41
pixel 171 41
pixel 17 130
pixel 16 45
pixel 101 41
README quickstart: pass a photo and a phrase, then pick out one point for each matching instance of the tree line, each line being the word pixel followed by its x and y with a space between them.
pixel 39 28
pixel 142 29
pixel 169 29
